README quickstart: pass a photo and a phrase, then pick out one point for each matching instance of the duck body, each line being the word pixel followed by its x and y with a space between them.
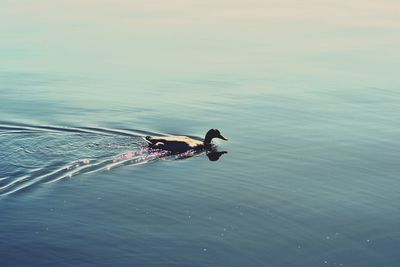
pixel 182 143
pixel 174 143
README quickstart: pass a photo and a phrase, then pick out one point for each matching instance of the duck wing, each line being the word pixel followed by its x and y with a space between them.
pixel 174 142
pixel 163 139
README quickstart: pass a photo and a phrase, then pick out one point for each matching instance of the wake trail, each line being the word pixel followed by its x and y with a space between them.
pixel 33 155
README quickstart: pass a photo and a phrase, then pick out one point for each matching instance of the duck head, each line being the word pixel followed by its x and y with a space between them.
pixel 213 133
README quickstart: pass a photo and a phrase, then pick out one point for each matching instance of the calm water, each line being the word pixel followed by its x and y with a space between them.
pixel 308 94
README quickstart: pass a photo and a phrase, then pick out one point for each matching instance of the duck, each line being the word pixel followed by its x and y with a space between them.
pixel 183 143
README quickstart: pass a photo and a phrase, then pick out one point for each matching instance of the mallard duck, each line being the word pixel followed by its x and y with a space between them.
pixel 183 143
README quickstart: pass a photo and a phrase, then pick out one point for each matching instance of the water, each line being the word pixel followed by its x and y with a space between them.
pixel 306 93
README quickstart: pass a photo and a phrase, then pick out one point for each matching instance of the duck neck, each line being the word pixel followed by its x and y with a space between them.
pixel 207 140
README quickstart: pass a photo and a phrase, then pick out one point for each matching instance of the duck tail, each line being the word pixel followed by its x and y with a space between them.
pixel 147 139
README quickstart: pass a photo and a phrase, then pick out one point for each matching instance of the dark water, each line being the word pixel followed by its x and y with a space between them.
pixel 309 101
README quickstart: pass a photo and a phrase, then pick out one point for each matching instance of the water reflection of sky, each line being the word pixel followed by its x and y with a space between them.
pixel 286 41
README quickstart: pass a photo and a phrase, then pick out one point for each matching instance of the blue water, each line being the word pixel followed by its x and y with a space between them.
pixel 309 100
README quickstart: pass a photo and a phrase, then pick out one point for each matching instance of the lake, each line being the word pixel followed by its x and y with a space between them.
pixel 307 93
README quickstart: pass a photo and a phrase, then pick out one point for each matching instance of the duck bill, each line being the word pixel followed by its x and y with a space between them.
pixel 223 137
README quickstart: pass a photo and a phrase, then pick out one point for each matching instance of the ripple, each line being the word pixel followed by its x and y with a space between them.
pixel 34 155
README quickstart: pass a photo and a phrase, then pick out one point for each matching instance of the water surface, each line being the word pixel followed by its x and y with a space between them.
pixel 307 94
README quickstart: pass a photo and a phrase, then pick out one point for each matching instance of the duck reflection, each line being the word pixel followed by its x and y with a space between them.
pixel 212 154
pixel 215 155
